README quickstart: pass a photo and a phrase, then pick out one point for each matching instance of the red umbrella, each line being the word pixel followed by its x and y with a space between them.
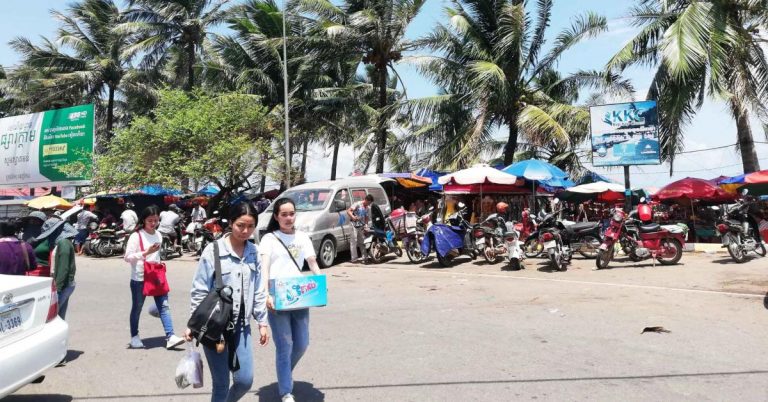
pixel 693 189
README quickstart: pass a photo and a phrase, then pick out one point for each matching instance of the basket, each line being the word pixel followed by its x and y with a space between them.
pixel 405 224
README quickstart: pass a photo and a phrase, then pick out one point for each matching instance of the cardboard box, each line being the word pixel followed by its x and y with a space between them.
pixel 299 292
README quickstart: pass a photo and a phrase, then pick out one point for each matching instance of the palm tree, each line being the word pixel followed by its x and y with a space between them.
pixel 95 67
pixel 172 32
pixel 488 60
pixel 698 49
pixel 375 29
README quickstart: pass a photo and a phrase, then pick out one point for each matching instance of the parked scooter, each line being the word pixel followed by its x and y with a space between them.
pixel 450 241
pixel 640 241
pixel 512 245
pixel 736 232
pixel 583 237
pixel 212 230
pixel 489 237
pixel 109 241
pixel 192 236
pixel 410 231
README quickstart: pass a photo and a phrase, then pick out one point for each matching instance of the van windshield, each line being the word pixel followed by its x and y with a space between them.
pixel 308 199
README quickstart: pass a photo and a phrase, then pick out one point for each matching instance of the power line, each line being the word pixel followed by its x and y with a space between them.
pixel 677 171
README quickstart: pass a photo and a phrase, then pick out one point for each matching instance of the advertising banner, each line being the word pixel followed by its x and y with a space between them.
pixel 49 148
pixel 625 134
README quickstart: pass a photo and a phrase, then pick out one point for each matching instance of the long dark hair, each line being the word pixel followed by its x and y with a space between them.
pixel 146 213
pixel 240 209
pixel 273 224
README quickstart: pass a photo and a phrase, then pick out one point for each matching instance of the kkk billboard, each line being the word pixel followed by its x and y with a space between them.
pixel 625 134
pixel 45 149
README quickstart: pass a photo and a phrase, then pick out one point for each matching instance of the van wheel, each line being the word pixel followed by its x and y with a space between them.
pixel 327 252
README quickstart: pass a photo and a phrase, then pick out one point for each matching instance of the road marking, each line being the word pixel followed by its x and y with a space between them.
pixel 572 281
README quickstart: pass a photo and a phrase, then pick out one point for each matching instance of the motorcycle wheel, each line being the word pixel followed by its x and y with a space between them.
pixel 676 256
pixel 734 249
pixel 760 250
pixel 604 258
pixel 103 249
pixel 413 250
pixel 87 248
pixel 398 252
pixel 444 261
pixel 554 261
pixel 591 244
pixel 514 264
pixel 165 250
pixel 374 253
pixel 532 248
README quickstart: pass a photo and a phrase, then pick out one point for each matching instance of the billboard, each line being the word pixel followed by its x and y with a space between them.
pixel 625 134
pixel 49 148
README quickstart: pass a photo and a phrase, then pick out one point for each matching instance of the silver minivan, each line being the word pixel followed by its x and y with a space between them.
pixel 321 211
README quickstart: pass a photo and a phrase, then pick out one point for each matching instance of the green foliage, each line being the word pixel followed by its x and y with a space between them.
pixel 196 136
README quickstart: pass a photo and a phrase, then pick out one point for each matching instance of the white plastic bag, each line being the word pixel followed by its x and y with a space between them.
pixel 190 369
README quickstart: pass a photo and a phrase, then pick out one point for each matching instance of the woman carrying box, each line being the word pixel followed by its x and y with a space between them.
pixel 283 251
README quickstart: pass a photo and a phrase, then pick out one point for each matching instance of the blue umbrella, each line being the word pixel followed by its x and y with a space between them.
pixel 533 169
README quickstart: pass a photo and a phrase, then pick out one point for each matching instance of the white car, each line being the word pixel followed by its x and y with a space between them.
pixel 32 336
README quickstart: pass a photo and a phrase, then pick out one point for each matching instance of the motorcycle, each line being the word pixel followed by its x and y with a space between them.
pixel 533 247
pixel 380 242
pixel 583 237
pixel 640 241
pixel 450 241
pixel 192 237
pixel 514 252
pixel 108 241
pixel 211 231
pixel 489 237
pixel 737 234
pixel 410 231
pixel 553 237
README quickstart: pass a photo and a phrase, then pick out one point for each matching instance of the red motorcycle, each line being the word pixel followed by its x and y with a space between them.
pixel 640 241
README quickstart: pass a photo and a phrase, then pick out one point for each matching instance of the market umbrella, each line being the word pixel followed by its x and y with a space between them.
pixel 534 169
pixel 597 191
pixel 48 202
pixel 478 174
pixel 691 188
pixel 756 183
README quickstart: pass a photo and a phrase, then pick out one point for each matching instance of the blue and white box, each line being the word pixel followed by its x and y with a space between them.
pixel 299 292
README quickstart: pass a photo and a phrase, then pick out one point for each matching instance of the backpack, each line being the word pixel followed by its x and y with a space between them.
pixel 211 322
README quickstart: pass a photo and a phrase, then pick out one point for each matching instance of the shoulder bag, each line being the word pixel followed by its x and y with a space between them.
pixel 212 319
pixel 155 281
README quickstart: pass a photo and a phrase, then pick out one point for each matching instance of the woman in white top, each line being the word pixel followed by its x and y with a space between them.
pixel 290 329
pixel 135 255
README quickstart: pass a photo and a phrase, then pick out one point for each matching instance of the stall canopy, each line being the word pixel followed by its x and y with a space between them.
pixel 432 175
pixel 154 189
pixel 597 191
pixel 48 202
pixel 208 191
pixel 592 177
pixel 477 179
pixel 685 190
pixel 409 180
pixel 756 183
pixel 542 172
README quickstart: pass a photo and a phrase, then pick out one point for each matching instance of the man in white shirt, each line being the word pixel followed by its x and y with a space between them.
pixel 198 213
pixel 129 218
pixel 168 221
pixel 83 219
pixel 359 215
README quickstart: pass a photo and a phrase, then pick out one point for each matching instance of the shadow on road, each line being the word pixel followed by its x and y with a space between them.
pixel 39 397
pixel 157 342
pixel 72 355
pixel 765 301
pixel 303 391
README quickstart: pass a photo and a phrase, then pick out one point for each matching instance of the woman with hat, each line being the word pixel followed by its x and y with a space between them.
pixel 33 224
pixel 16 257
pixel 57 236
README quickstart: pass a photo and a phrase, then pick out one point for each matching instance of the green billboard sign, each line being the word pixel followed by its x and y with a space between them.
pixel 54 147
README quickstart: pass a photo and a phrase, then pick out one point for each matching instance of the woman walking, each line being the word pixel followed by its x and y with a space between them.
pixel 283 251
pixel 56 237
pixel 144 245
pixel 241 271
pixel 16 256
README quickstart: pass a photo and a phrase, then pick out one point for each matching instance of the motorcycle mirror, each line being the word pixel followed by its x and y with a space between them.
pixel 642 200
pixel 556 201
pixel 744 191
pixel 460 205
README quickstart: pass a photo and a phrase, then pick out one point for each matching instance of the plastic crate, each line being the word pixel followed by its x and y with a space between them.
pixel 405 224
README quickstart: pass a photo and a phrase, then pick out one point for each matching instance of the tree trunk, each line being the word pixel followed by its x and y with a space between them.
pixel 511 147
pixel 304 160
pixel 334 162
pixel 381 130
pixel 744 135
pixel 110 116
pixel 264 165
pixel 190 66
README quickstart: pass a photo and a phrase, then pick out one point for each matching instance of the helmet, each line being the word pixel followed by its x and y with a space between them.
pixel 173 207
pixel 502 207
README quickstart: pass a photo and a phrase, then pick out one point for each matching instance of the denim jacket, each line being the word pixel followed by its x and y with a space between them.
pixel 243 275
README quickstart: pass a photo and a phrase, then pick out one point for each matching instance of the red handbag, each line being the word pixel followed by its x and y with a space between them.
pixel 155 282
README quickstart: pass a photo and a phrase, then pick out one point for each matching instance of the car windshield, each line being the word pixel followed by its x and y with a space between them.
pixel 307 200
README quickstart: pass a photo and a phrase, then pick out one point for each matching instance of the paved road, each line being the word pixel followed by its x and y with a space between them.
pixel 402 332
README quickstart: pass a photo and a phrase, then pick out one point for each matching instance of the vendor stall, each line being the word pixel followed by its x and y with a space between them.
pixel 694 198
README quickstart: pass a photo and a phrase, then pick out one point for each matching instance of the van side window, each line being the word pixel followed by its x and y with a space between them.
pixel 358 194
pixel 342 195
pixel 379 196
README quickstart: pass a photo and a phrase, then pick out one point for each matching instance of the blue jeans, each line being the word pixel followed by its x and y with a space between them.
pixel 242 379
pixel 290 332
pixel 63 296
pixel 137 303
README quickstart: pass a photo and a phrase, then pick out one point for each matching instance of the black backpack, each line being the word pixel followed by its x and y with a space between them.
pixel 211 322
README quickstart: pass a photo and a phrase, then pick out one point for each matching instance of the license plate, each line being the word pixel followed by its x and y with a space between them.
pixel 10 321
pixel 550 244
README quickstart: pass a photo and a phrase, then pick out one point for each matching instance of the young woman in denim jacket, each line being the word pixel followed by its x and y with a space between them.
pixel 290 329
pixel 239 269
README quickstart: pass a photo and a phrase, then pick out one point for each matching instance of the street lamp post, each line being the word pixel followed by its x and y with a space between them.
pixel 285 105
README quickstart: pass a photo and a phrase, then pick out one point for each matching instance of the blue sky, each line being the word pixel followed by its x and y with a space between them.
pixel 712 127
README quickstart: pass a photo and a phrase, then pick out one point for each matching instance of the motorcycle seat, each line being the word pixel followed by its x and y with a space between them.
pixel 582 226
pixel 651 227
